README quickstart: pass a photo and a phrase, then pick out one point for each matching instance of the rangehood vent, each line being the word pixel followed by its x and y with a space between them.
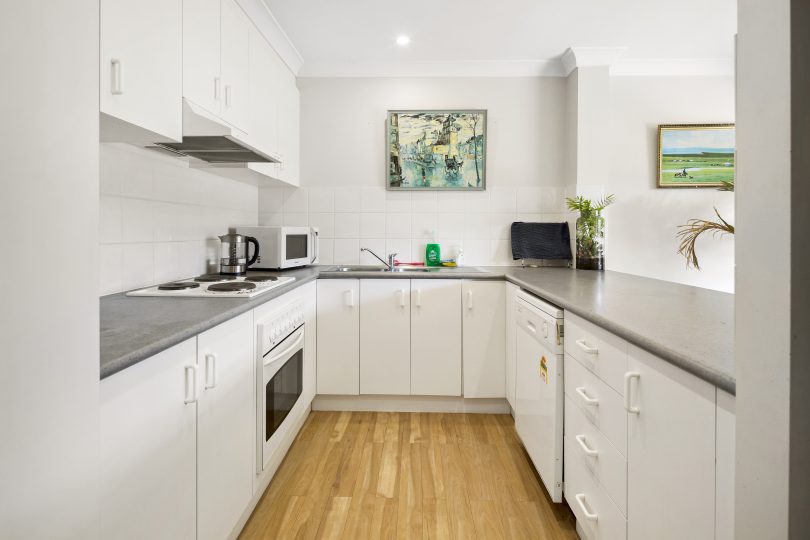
pixel 209 139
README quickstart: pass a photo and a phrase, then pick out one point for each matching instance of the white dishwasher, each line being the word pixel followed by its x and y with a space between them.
pixel 539 388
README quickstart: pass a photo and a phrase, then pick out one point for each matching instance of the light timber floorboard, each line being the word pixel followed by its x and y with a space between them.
pixel 369 475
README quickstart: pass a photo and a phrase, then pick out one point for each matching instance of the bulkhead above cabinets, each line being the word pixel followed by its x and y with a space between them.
pixel 166 65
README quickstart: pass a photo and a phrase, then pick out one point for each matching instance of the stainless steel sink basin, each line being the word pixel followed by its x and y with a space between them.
pixel 400 269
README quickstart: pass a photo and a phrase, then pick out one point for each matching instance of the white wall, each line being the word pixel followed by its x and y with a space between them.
pixel 160 219
pixel 643 222
pixel 49 369
pixel 343 169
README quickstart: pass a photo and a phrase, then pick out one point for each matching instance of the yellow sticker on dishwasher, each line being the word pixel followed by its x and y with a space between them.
pixel 544 368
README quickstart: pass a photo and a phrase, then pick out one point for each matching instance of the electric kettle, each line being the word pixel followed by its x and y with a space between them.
pixel 233 254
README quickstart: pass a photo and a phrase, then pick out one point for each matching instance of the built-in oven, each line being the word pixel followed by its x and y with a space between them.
pixel 280 377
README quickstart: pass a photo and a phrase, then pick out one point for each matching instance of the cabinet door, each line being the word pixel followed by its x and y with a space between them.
pixel 726 428
pixel 436 337
pixel 671 451
pixel 338 344
pixel 235 69
pixel 289 128
pixel 201 53
pixel 141 79
pixel 263 126
pixel 511 343
pixel 148 441
pixel 385 336
pixel 484 343
pixel 225 426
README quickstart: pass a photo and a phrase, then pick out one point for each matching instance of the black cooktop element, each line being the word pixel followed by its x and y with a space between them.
pixel 237 286
pixel 178 286
pixel 261 279
pixel 208 278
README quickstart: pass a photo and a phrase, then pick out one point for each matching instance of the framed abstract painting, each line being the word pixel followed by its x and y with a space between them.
pixel 436 150
pixel 695 155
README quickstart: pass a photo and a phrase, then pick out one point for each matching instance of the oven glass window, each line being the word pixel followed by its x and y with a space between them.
pixel 297 246
pixel 282 391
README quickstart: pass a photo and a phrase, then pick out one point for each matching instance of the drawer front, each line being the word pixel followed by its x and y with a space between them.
pixel 600 351
pixel 608 465
pixel 607 414
pixel 583 494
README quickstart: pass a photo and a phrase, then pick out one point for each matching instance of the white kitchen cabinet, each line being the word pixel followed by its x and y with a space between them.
pixel 724 476
pixel 201 54
pixel 289 127
pixel 511 343
pixel 436 337
pixel 235 70
pixel 385 336
pixel 484 338
pixel 671 451
pixel 226 415
pixel 265 64
pixel 148 441
pixel 338 345
pixel 140 80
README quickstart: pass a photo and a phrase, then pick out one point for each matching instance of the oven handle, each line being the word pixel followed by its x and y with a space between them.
pixel 286 353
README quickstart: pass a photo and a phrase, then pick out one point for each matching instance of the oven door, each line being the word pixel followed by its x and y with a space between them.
pixel 299 246
pixel 280 387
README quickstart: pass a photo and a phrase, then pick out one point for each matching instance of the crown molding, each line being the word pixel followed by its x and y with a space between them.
pixel 513 68
pixel 269 27
pixel 577 57
pixel 674 67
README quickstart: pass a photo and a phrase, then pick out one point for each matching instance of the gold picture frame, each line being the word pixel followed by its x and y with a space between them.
pixel 696 155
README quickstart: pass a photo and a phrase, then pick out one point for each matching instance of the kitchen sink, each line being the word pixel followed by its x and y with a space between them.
pixel 398 269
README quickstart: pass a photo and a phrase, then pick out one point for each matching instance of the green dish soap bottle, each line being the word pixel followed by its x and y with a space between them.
pixel 433 253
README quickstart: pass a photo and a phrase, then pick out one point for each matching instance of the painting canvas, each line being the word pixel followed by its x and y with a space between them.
pixel 695 155
pixel 437 150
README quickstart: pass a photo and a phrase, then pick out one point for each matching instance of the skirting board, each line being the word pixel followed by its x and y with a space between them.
pixel 411 404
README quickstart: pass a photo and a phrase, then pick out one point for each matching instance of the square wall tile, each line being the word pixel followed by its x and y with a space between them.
pixel 347 251
pixel 326 251
pixel 271 200
pixel 110 220
pixel 500 225
pixel 324 222
pixel 372 225
pixel 347 225
pixel 449 201
pixel 424 202
pixel 347 200
pixel 424 226
pixel 503 200
pixel 137 220
pixel 528 200
pixel 450 225
pixel 295 220
pixel 372 199
pixel 397 225
pixel 270 220
pixel 168 261
pixel 400 246
pixel 552 200
pixel 476 202
pixel 476 226
pixel 296 201
pixel 111 270
pixel 321 200
pixel 138 266
pixel 397 201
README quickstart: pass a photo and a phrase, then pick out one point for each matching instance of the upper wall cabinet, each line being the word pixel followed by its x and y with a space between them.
pixel 216 62
pixel 140 79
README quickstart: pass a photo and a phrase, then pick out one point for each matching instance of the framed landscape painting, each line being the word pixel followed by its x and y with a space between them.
pixel 695 155
pixel 436 150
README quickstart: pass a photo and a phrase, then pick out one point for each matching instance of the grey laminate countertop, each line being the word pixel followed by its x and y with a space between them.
pixel 691 327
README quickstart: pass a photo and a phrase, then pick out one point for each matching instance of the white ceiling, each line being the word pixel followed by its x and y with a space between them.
pixel 356 37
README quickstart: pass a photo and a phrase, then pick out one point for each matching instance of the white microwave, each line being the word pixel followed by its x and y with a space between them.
pixel 283 247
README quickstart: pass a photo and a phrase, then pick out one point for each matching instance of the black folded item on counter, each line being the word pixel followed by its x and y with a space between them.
pixel 540 241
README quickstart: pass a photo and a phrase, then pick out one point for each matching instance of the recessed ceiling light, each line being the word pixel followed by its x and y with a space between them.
pixel 403 40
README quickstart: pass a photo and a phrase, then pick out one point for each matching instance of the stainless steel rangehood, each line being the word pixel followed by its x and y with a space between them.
pixel 209 139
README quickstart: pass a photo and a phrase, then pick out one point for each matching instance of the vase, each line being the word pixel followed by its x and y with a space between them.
pixel 591 242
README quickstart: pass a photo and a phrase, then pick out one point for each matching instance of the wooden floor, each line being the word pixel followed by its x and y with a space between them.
pixel 357 475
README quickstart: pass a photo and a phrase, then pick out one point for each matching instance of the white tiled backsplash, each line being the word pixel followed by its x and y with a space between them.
pixel 403 222
pixel 159 219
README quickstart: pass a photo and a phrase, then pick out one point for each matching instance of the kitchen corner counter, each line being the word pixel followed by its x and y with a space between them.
pixel 690 327
pixel 134 328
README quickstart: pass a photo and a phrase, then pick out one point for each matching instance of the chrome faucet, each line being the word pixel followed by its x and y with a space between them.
pixel 391 258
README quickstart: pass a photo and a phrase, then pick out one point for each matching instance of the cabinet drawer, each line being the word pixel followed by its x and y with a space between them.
pixel 600 351
pixel 583 490
pixel 608 413
pixel 608 465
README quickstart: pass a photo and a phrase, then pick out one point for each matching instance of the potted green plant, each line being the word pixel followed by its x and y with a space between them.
pixel 590 231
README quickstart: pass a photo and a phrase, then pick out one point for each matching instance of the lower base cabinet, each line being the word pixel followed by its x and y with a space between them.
pixel 484 338
pixel 385 336
pixel 225 426
pixel 148 437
